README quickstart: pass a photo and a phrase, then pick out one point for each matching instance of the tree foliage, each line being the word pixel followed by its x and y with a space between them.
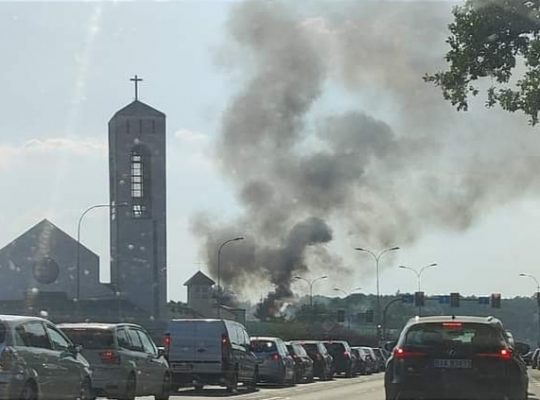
pixel 490 39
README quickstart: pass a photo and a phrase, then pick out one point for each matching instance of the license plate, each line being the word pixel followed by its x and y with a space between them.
pixel 182 367
pixel 451 363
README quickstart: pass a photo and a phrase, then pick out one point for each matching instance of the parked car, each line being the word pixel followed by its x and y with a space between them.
pixel 322 360
pixel 361 361
pixel 456 357
pixel 37 361
pixel 124 359
pixel 210 352
pixel 381 358
pixel 275 363
pixel 376 363
pixel 527 357
pixel 534 359
pixel 368 360
pixel 344 359
pixel 303 362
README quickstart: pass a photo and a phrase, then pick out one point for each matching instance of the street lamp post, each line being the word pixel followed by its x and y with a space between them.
pixel 347 294
pixel 311 283
pixel 78 264
pixel 418 274
pixel 219 268
pixel 377 257
pixel 537 302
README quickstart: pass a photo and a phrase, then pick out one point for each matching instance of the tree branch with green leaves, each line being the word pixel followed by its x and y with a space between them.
pixel 488 38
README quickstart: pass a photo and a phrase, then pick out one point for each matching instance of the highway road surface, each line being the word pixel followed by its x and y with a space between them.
pixel 362 387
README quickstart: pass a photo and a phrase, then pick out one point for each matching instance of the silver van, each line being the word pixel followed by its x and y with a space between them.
pixel 210 352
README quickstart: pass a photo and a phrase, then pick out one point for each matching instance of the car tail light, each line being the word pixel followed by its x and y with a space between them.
pixel 109 357
pixel 6 359
pixel 452 325
pixel 225 347
pixel 167 341
pixel 503 354
pixel 402 354
pixel 276 357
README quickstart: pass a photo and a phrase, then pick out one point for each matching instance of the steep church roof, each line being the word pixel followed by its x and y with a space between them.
pixel 138 108
pixel 199 279
pixel 43 229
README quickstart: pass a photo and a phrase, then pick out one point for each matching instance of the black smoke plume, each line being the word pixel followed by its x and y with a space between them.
pixel 305 169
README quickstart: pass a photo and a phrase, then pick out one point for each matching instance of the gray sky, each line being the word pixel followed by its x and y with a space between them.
pixel 66 68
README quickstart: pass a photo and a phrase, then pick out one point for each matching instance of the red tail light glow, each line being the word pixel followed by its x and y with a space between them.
pixel 452 325
pixel 167 341
pixel 276 357
pixel 224 340
pixel 109 357
pixel 402 354
pixel 503 354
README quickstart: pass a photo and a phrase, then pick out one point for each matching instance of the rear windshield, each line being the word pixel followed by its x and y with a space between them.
pixel 263 346
pixel 452 334
pixel 299 350
pixel 311 348
pixel 334 348
pixel 90 338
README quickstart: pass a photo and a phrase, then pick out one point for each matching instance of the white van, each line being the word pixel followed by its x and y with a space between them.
pixel 210 352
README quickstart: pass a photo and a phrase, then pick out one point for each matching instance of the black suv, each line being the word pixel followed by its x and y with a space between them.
pixel 454 358
pixel 322 360
pixel 344 359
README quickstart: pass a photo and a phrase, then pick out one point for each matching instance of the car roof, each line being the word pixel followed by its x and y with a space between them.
pixel 20 318
pixel 94 325
pixel 453 318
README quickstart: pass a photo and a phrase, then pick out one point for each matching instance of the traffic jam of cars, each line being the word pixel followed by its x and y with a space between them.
pixel 456 356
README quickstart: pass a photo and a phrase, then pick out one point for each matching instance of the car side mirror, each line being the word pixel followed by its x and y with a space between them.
pixel 522 348
pixel 161 352
pixel 75 349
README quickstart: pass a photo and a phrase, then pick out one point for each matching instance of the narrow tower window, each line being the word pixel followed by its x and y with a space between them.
pixel 138 182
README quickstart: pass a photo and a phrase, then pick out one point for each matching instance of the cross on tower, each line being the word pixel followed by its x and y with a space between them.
pixel 136 79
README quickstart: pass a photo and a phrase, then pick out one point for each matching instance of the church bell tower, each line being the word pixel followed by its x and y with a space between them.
pixel 138 206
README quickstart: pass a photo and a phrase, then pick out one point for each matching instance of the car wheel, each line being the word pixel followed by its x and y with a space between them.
pixel 131 388
pixel 86 391
pixel 165 388
pixel 232 385
pixel 252 385
pixel 292 380
pixel 29 392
